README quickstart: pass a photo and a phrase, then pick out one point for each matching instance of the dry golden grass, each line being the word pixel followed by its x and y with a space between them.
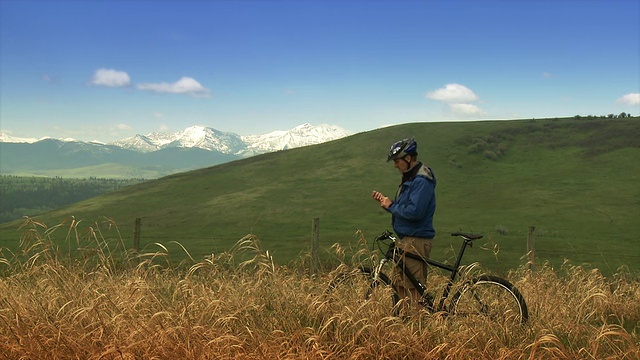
pixel 113 304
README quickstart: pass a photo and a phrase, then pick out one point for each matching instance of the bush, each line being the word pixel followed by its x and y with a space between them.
pixel 491 147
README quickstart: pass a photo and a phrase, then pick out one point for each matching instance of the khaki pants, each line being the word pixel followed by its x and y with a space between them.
pixel 417 246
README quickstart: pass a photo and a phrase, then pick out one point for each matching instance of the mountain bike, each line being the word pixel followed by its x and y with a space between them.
pixel 482 297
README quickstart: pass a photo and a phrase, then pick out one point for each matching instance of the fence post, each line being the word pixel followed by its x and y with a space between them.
pixel 315 228
pixel 136 238
pixel 531 247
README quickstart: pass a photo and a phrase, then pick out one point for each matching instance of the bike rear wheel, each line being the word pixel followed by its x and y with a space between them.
pixel 356 287
pixel 491 298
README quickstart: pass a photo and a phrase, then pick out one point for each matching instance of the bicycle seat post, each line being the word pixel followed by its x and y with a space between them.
pixel 466 240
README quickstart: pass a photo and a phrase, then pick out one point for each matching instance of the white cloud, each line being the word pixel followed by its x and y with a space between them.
pixel 453 93
pixel 466 109
pixel 111 78
pixel 629 99
pixel 458 99
pixel 185 85
pixel 124 127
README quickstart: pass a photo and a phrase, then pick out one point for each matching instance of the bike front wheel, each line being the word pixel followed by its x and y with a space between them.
pixel 357 288
pixel 491 298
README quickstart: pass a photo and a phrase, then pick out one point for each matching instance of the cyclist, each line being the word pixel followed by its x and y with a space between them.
pixel 412 213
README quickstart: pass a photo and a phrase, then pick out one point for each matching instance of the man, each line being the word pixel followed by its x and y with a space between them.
pixel 411 213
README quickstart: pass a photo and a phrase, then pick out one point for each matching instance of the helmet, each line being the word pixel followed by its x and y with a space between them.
pixel 403 148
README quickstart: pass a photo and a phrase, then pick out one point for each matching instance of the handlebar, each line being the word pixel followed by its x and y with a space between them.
pixel 385 235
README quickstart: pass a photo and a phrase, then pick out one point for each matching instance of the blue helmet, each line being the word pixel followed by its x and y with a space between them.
pixel 402 148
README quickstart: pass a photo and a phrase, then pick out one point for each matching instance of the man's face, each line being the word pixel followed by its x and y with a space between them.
pixel 401 164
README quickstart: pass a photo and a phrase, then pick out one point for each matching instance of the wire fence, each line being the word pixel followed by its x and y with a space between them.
pixel 310 244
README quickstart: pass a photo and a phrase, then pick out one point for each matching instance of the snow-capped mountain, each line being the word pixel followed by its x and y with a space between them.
pixel 138 142
pixel 4 138
pixel 230 143
pixel 151 155
pixel 12 139
pixel 302 135
pixel 192 137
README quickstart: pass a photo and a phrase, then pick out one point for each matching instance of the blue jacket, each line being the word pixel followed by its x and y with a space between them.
pixel 415 204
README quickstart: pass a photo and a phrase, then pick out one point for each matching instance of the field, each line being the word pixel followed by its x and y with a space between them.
pixel 114 304
pixel 574 180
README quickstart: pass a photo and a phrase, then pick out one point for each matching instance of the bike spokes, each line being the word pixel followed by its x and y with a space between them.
pixel 356 288
pixel 489 299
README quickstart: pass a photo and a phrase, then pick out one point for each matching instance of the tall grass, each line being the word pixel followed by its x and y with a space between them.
pixel 93 299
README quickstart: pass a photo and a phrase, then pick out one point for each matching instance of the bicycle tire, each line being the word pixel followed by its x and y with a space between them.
pixel 356 287
pixel 491 297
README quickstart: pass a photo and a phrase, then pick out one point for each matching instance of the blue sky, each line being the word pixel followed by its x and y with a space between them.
pixel 106 70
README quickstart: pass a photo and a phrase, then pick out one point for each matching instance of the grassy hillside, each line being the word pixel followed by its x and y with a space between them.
pixel 575 180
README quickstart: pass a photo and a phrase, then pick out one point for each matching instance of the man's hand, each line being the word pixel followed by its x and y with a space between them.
pixel 384 201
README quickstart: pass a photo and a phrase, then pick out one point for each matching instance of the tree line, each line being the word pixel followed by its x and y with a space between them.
pixel 622 115
pixel 28 196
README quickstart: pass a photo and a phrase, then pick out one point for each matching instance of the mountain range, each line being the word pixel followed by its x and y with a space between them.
pixel 152 155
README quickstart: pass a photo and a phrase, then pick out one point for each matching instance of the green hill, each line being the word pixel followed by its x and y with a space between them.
pixel 575 180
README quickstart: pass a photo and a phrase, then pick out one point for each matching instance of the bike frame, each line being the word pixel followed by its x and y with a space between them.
pixel 395 255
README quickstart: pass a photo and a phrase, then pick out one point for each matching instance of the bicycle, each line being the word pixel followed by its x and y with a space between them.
pixel 485 296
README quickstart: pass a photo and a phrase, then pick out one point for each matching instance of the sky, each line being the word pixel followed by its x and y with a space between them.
pixel 106 70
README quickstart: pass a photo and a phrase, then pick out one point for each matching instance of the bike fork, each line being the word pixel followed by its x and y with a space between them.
pixel 377 270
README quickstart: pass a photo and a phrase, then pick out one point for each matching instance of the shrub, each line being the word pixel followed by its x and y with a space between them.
pixel 491 147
